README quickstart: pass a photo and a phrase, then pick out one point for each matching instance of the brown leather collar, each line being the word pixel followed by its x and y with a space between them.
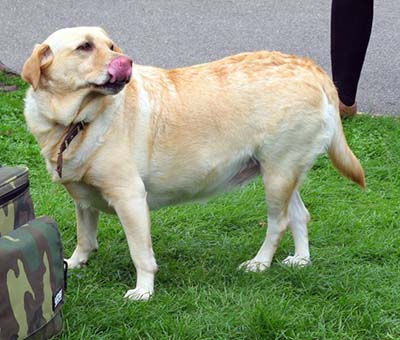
pixel 72 132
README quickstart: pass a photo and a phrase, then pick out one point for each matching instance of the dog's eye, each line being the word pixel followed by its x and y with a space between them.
pixel 112 47
pixel 86 46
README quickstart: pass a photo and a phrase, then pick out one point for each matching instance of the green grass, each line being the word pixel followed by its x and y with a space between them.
pixel 351 291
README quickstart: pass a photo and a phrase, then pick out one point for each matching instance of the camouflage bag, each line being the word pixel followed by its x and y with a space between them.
pixel 32 281
pixel 16 206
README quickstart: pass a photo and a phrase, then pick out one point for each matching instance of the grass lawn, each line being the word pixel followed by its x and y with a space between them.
pixel 351 291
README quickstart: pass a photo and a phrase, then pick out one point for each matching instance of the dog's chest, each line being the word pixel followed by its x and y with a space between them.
pixel 87 196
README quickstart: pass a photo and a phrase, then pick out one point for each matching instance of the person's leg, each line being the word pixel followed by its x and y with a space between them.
pixel 351 24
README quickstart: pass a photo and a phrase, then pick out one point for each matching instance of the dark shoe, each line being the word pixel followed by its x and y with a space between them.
pixel 347 111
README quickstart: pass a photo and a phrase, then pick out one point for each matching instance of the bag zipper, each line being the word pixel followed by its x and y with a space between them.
pixel 13 193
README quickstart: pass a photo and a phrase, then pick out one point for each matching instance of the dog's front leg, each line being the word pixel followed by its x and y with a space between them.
pixel 86 230
pixel 133 213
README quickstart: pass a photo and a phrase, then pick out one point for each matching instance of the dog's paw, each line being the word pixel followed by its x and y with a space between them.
pixel 138 294
pixel 254 266
pixel 297 261
pixel 75 262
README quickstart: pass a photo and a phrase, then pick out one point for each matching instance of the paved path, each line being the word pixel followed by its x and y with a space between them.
pixel 177 33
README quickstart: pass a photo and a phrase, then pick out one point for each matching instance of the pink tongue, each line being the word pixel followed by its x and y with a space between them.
pixel 120 69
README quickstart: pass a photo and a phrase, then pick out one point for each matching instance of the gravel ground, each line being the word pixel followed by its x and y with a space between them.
pixel 177 33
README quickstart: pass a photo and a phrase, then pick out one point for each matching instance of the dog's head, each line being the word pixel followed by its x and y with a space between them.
pixel 78 59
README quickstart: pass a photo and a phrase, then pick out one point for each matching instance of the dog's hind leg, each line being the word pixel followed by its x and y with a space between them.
pixel 87 219
pixel 298 219
pixel 279 187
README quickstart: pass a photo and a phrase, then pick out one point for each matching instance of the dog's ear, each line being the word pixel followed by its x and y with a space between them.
pixel 41 58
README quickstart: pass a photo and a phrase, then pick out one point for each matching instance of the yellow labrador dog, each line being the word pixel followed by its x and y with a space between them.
pixel 125 138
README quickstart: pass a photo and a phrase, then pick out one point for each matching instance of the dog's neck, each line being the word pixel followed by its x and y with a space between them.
pixel 75 107
pixel 50 123
pixel 54 113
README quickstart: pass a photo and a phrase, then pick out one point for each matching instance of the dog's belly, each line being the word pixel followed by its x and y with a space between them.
pixel 201 184
pixel 188 183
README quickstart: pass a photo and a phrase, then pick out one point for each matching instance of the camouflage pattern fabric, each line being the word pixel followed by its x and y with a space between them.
pixel 16 207
pixel 32 281
pixel 49 330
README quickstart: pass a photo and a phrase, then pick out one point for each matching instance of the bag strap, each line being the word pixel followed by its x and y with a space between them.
pixel 65 274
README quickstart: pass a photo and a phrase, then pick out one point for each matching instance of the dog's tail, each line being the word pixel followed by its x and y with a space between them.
pixel 341 155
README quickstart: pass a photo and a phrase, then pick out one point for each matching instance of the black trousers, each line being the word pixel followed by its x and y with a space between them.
pixel 351 24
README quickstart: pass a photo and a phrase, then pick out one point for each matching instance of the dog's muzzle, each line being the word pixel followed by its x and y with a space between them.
pixel 119 73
